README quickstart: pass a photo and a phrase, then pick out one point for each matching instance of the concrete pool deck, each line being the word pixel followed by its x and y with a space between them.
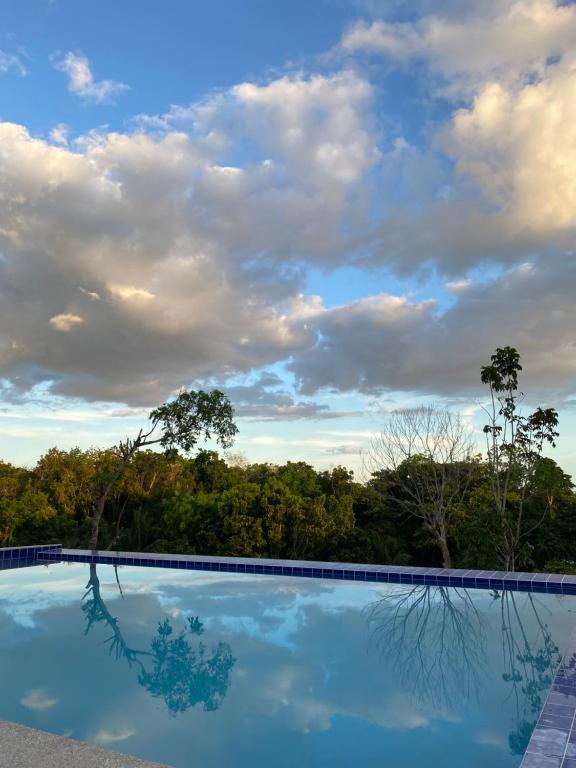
pixel 22 747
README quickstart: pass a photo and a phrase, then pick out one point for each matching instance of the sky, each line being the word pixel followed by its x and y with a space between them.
pixel 329 209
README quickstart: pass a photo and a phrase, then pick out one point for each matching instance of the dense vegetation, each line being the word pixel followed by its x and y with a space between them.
pixel 430 498
pixel 204 505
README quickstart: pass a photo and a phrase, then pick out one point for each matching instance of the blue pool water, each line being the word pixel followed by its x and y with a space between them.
pixel 215 670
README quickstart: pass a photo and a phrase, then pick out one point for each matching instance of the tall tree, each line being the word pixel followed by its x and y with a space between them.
pixel 514 444
pixel 179 423
pixel 182 674
pixel 423 460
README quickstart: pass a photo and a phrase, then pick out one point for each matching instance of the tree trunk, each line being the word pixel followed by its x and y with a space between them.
pixel 509 546
pixel 101 503
pixel 98 511
pixel 443 545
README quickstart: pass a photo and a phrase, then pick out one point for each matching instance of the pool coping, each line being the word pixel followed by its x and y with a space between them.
pixel 553 742
pixel 554 583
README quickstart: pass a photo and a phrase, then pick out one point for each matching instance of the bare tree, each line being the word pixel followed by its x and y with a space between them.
pixel 424 456
pixel 434 640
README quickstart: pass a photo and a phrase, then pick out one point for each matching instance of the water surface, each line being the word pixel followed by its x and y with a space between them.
pixel 215 670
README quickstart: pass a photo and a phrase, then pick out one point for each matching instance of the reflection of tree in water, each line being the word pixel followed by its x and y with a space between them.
pixel 435 641
pixel 174 670
pixel 530 662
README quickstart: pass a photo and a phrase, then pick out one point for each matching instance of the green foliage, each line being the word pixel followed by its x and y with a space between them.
pixel 184 675
pixel 192 416
pixel 514 445
pixel 28 512
pixel 171 503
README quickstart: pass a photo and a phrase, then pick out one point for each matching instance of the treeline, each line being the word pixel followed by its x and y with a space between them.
pixel 165 502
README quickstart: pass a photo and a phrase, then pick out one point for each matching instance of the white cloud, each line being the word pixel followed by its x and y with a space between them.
pixel 318 124
pixel 387 343
pixel 12 61
pixel 503 39
pixel 455 286
pixel 81 80
pixel 91 294
pixel 38 700
pixel 66 322
pixel 511 66
pixel 267 399
pixel 517 145
pixel 113 735
pixel 59 134
pixel 174 265
pixel 128 292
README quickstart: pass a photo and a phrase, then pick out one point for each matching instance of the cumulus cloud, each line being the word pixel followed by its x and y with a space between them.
pixel 172 266
pixel 508 193
pixel 38 700
pixel 267 399
pixel 132 264
pixel 318 124
pixel 65 322
pixel 493 40
pixel 390 343
pixel 59 134
pixel 113 735
pixel 129 292
pixel 81 81
pixel 517 145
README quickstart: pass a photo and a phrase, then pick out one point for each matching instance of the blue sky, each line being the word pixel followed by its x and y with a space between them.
pixel 329 208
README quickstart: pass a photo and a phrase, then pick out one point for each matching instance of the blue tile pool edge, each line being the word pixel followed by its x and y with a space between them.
pixel 24 557
pixel 393 574
pixel 27 553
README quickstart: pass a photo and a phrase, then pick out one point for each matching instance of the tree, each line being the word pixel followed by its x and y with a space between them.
pixel 31 507
pixel 423 460
pixel 434 639
pixel 179 423
pixel 514 444
pixel 182 675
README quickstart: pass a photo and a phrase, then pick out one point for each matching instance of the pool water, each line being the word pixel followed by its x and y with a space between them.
pixel 212 669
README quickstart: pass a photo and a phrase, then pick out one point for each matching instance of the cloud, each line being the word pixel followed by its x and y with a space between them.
pixel 267 399
pixel 38 700
pixel 91 294
pixel 129 292
pixel 389 343
pixel 112 736
pixel 12 61
pixel 82 83
pixel 65 322
pixel 177 253
pixel 174 266
pixel 361 345
pixel 346 449
pixel 517 146
pixel 497 173
pixel 492 40
pixel 59 134
pixel 455 286
pixel 315 123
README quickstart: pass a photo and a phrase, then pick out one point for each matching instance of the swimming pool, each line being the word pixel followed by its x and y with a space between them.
pixel 218 669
